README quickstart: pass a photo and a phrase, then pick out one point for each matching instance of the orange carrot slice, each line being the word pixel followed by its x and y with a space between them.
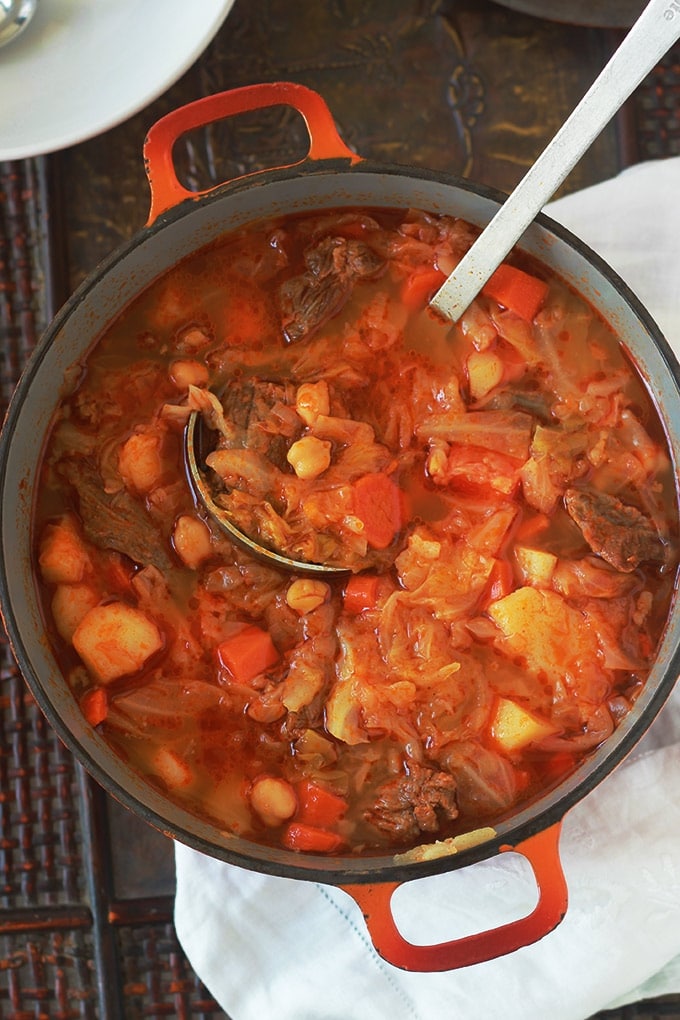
pixel 378 504
pixel 516 290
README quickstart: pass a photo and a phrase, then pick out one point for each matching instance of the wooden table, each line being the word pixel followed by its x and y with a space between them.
pixel 466 87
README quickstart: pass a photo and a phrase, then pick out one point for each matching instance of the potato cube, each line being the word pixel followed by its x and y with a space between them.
pixel 485 371
pixel 514 728
pixel 63 557
pixel 550 635
pixel 536 565
pixel 115 640
pixel 70 604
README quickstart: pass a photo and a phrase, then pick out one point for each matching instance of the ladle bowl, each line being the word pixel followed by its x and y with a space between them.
pixel 196 474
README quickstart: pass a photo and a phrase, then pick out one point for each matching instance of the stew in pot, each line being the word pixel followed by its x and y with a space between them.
pixel 500 491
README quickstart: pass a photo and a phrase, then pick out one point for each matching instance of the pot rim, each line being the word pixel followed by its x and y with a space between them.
pixel 521 824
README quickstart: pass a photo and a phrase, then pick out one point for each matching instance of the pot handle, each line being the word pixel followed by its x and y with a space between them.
pixel 542 852
pixel 166 190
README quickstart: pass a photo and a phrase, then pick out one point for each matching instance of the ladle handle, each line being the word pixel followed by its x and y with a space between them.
pixel 167 191
pixel 542 852
pixel 651 36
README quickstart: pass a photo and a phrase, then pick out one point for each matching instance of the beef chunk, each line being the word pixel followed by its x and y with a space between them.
pixel 417 802
pixel 115 520
pixel 263 413
pixel 619 533
pixel 333 266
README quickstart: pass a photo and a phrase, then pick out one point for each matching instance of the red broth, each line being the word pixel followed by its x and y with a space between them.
pixel 500 491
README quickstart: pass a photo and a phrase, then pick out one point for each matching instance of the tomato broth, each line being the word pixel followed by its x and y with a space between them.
pixel 500 492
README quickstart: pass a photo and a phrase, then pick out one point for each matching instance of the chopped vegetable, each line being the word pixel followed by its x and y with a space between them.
pixel 63 557
pixel 70 604
pixel 115 640
pixel 343 714
pixel 485 371
pixel 299 836
pixel 516 290
pixel 549 633
pixel 536 566
pixel 378 505
pixel 501 581
pixel 319 806
pixel 94 705
pixel 421 286
pixel 361 593
pixel 248 653
pixel 514 728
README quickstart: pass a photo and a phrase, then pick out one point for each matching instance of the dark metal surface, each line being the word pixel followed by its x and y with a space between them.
pixel 86 889
pixel 597 13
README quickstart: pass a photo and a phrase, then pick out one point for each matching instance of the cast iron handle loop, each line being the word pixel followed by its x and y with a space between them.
pixel 542 852
pixel 166 190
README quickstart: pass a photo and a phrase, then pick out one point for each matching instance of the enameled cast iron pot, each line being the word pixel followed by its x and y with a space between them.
pixel 181 222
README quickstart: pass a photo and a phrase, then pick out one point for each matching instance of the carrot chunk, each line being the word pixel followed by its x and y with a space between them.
pixel 299 836
pixel 420 286
pixel 318 806
pixel 248 653
pixel 361 592
pixel 378 504
pixel 94 705
pixel 516 290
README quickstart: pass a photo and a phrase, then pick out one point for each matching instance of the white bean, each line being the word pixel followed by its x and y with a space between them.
pixel 273 799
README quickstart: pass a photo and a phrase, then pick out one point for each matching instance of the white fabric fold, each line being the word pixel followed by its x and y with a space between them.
pixel 272 947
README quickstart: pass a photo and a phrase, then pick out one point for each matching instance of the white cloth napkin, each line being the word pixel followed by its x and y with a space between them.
pixel 271 947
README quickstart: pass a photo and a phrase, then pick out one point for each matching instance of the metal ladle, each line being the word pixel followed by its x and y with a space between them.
pixel 193 455
pixel 14 17
pixel 649 39
pixel 652 35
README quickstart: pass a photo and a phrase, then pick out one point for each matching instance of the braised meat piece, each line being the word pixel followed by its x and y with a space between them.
pixel 419 801
pixel 115 520
pixel 619 533
pixel 263 414
pixel 333 266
